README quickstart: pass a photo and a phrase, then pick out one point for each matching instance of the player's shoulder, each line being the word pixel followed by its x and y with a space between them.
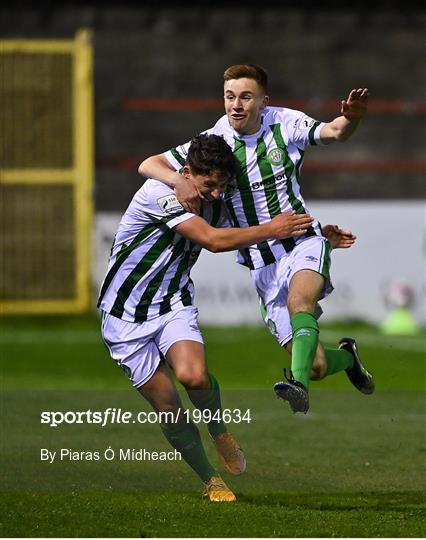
pixel 153 187
pixel 289 119
pixel 153 190
pixel 160 197
pixel 220 128
pixel 282 114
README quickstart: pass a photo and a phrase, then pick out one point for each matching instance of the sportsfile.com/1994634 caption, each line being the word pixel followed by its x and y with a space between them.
pixel 113 415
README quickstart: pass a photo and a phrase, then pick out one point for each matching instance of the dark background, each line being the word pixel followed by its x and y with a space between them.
pixel 315 53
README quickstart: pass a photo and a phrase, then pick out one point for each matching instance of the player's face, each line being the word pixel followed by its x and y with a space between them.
pixel 244 103
pixel 208 187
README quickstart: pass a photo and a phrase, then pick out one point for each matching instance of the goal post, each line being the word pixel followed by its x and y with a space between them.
pixel 46 174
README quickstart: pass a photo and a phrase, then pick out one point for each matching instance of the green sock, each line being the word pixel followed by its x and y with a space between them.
pixel 185 438
pixel 337 360
pixel 304 345
pixel 210 402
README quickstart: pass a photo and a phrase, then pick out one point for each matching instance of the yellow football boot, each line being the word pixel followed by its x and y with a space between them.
pixel 230 453
pixel 217 491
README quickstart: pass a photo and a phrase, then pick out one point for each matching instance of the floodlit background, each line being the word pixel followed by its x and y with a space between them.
pixel 157 81
pixel 87 92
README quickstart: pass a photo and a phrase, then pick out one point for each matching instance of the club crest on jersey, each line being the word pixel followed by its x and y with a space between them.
pixel 276 157
pixel 169 204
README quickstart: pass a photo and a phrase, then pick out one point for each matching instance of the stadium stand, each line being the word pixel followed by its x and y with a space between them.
pixel 313 58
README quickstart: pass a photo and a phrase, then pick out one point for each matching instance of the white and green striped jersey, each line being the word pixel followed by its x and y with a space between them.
pixel 267 183
pixel 149 265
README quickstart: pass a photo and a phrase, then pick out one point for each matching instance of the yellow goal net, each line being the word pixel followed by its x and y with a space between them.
pixel 46 174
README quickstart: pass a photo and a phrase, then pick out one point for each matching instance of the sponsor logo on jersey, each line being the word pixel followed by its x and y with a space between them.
pixel 169 204
pixel 278 179
pixel 276 157
pixel 311 258
pixel 305 123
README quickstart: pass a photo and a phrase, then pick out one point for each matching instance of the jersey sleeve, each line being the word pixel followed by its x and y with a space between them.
pixel 160 203
pixel 177 156
pixel 303 130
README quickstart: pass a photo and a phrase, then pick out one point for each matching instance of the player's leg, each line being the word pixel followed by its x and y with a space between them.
pixel 306 277
pixel 277 320
pixel 329 361
pixel 304 287
pixel 188 361
pixel 272 286
pixel 319 365
pixel 182 433
pixel 290 290
pixel 133 347
pixel 181 343
pixel 184 436
pixel 305 290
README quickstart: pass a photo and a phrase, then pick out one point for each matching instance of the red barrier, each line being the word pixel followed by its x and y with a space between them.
pixel 375 106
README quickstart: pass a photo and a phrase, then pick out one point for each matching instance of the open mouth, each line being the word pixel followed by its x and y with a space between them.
pixel 236 116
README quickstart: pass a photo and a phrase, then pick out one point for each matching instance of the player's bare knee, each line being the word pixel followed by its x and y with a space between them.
pixel 300 304
pixel 193 379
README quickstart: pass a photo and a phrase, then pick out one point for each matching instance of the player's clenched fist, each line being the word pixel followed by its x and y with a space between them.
pixel 290 224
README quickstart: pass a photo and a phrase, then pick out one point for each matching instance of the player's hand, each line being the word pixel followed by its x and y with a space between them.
pixel 290 224
pixel 355 106
pixel 338 238
pixel 188 196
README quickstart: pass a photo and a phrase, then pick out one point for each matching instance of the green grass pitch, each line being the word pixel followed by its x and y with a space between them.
pixel 352 467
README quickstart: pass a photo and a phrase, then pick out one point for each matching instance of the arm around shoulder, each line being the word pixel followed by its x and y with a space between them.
pixel 219 239
pixel 160 169
pixel 216 239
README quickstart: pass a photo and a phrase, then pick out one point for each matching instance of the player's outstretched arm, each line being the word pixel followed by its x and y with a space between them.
pixel 226 239
pixel 158 168
pixel 353 109
pixel 337 237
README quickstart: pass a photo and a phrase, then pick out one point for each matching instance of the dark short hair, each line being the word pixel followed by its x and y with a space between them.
pixel 211 155
pixel 248 71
